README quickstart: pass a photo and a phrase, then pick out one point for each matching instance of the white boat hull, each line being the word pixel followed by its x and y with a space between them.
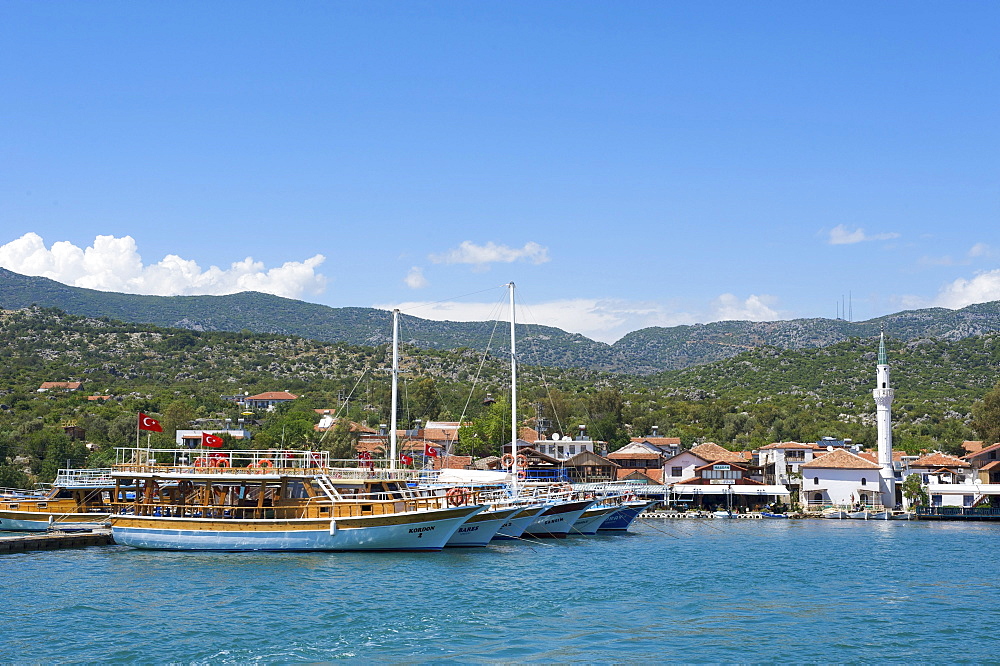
pixel 480 529
pixel 39 522
pixel 424 530
pixel 557 520
pixel 592 519
pixel 515 527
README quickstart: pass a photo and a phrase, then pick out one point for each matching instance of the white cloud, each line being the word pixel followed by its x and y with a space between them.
pixel 840 235
pixel 728 307
pixel 980 250
pixel 114 264
pixel 606 320
pixel 982 288
pixel 415 278
pixel 481 256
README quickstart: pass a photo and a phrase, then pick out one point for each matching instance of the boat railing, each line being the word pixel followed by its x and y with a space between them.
pixel 222 460
pixel 84 477
pixel 958 511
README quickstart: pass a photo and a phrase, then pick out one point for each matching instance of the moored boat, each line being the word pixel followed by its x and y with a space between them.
pixel 246 505
pixel 558 518
pixel 481 528
pixel 834 513
pixel 590 522
pixel 78 498
pixel 516 525
pixel 622 518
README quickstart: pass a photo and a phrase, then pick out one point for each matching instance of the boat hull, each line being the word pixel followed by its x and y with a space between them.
pixel 480 529
pixel 556 521
pixel 515 526
pixel 590 522
pixel 36 521
pixel 411 531
pixel 622 519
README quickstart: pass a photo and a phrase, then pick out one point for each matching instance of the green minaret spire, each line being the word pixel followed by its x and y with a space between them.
pixel 881 350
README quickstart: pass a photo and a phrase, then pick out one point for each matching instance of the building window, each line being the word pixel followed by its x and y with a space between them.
pixel 935 500
pixel 572 448
pixel 967 501
pixel 815 480
pixel 675 471
pixel 864 481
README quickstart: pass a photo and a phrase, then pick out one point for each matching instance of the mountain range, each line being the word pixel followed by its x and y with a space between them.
pixel 643 352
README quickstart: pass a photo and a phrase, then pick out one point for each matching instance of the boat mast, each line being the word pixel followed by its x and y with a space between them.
pixel 395 388
pixel 513 395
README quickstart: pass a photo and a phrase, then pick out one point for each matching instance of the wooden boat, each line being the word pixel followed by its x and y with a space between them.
pixel 860 514
pixel 287 501
pixel 834 513
pixel 78 498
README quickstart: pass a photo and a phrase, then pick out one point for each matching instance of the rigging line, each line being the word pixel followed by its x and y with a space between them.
pixel 539 367
pixel 346 401
pixel 482 361
pixel 673 536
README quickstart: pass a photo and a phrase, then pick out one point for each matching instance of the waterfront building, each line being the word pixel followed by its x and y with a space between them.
pixel 639 461
pixel 723 485
pixel 840 478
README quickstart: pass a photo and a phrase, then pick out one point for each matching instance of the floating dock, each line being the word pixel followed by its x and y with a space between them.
pixel 55 540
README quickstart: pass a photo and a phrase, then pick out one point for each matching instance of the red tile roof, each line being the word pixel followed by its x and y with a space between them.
pixel 840 459
pixel 972 446
pixel 936 460
pixel 789 445
pixel 273 395
pixel 715 453
pixel 658 441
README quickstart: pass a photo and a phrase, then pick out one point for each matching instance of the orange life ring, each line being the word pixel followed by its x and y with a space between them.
pixel 522 460
pixel 456 496
pixel 507 461
pixel 220 462
pixel 522 473
pixel 202 462
pixel 265 463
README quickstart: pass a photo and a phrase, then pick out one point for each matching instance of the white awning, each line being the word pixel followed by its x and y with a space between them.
pixel 754 491
pixel 472 476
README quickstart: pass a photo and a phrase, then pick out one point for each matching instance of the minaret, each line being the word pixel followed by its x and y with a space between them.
pixel 883 395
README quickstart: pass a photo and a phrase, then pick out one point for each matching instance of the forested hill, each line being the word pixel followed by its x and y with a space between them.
pixel 642 352
pixel 761 396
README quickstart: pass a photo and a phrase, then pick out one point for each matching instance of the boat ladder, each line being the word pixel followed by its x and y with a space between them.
pixel 327 487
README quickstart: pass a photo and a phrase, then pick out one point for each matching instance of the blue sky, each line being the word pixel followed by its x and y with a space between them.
pixel 627 164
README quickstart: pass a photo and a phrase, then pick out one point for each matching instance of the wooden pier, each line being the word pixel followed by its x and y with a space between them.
pixel 55 540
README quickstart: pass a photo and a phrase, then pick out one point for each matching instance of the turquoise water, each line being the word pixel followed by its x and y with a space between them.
pixel 692 591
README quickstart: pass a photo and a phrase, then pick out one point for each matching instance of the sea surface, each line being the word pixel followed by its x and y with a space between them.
pixel 681 591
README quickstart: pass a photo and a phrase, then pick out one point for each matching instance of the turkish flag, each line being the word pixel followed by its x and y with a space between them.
pixel 211 440
pixel 147 423
pixel 430 451
pixel 405 459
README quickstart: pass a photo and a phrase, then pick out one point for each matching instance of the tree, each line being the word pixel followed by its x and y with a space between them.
pixel 986 416
pixel 913 491
pixel 487 434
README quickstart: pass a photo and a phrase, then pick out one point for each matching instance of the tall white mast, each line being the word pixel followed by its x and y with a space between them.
pixel 883 394
pixel 395 388
pixel 513 395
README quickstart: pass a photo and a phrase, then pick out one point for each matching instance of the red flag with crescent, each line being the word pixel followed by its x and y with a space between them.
pixel 430 451
pixel 405 459
pixel 211 440
pixel 149 423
